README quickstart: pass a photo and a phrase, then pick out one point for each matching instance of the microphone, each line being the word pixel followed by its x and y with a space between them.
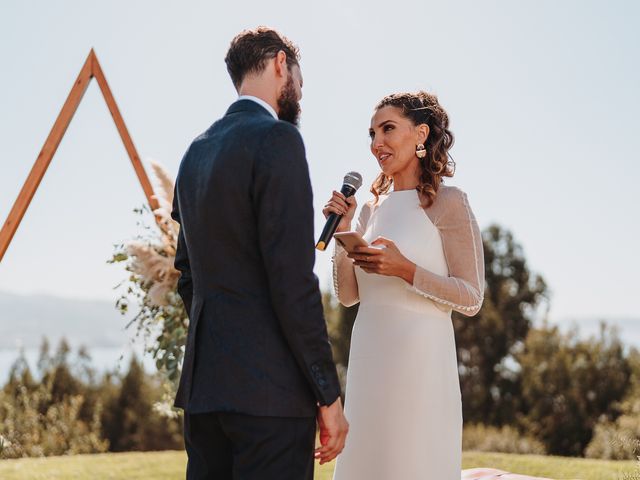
pixel 352 182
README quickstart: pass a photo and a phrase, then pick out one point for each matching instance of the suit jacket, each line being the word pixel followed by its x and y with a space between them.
pixel 257 340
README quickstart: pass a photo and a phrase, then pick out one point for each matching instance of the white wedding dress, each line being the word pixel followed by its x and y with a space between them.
pixel 403 399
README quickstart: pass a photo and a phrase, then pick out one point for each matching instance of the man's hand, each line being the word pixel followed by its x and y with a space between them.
pixel 333 431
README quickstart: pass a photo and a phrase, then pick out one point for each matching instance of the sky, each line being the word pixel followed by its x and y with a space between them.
pixel 542 96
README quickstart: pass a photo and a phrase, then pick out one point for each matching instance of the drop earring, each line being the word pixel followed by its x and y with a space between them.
pixel 421 151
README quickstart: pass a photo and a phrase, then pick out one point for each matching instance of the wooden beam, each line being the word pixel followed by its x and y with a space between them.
pixel 124 133
pixel 90 69
pixel 46 154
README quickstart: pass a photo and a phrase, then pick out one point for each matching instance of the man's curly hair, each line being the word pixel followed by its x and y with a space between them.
pixel 250 50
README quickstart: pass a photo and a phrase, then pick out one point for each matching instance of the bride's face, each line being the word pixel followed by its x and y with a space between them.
pixel 393 141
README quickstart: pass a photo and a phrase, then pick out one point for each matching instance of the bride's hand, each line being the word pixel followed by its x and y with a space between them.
pixel 341 205
pixel 384 261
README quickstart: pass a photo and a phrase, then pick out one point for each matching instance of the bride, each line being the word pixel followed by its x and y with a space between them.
pixel 403 399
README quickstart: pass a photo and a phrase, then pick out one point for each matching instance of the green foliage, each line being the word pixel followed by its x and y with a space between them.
pixel 506 439
pixel 161 318
pixel 130 421
pixel 486 343
pixel 619 438
pixel 52 416
pixel 568 383
pixel 339 326
pixel 67 411
pixel 33 425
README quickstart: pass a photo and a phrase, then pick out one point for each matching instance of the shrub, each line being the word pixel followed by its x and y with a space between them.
pixel 28 432
pixel 505 439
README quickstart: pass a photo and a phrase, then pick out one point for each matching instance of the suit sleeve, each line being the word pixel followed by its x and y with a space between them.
pixel 185 283
pixel 284 207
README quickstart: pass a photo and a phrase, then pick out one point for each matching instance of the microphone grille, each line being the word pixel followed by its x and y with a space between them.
pixel 354 179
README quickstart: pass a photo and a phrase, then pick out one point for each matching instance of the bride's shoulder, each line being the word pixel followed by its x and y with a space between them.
pixel 449 195
pixel 369 204
pixel 368 207
pixel 450 205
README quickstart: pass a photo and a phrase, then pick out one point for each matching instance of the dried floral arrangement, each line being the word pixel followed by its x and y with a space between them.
pixel 151 286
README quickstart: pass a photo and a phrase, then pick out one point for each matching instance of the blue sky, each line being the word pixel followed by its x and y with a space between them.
pixel 543 100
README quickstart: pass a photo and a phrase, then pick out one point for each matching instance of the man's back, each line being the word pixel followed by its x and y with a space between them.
pixel 257 341
pixel 214 187
pixel 257 367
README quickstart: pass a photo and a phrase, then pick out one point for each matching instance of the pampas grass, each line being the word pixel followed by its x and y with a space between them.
pixel 154 268
pixel 164 188
pixel 150 258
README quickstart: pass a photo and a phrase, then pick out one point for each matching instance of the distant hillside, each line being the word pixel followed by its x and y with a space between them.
pixel 25 320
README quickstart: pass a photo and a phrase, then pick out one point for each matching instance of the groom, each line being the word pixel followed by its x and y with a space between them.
pixel 258 371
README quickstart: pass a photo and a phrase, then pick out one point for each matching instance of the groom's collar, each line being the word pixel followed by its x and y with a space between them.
pixel 252 104
pixel 260 102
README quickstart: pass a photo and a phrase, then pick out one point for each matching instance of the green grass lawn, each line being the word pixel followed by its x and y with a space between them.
pixel 554 467
pixel 171 465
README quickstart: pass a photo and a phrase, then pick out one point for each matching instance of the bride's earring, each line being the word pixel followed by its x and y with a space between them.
pixel 421 152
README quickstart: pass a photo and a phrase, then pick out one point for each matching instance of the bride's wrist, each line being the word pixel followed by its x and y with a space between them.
pixel 409 272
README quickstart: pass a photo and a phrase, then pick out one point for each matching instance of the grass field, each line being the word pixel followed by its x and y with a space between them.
pixel 171 466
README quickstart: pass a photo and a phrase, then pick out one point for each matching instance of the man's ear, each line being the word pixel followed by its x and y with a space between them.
pixel 281 64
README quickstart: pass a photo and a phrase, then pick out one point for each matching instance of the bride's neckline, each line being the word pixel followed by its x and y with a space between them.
pixel 402 191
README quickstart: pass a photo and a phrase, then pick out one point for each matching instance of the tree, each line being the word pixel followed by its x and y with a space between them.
pixel 130 422
pixel 568 383
pixel 130 411
pixel 340 321
pixel 619 438
pixel 339 325
pixel 63 382
pixel 49 416
pixel 486 343
pixel 19 376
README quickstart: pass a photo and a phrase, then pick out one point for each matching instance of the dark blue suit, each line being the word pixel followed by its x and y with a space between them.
pixel 257 347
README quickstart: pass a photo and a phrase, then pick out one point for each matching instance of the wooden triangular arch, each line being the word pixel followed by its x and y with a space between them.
pixel 90 69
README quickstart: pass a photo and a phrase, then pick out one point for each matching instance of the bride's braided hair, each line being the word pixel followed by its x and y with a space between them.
pixel 423 107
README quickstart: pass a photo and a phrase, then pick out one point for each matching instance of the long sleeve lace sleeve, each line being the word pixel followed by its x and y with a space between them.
pixel 345 284
pixel 463 289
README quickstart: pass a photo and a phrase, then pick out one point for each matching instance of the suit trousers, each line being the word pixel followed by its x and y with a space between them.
pixel 234 446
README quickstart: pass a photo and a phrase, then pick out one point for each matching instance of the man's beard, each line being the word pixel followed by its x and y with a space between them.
pixel 288 105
